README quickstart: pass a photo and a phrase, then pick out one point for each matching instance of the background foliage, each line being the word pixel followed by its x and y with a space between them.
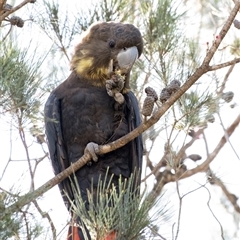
pixel 182 150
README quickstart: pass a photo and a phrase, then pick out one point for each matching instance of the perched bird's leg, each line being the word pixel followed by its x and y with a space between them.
pixel 114 87
pixel 92 149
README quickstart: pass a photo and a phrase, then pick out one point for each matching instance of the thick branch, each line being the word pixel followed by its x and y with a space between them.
pixel 2 3
pixel 27 198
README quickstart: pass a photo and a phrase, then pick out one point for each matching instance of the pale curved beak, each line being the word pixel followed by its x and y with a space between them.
pixel 126 58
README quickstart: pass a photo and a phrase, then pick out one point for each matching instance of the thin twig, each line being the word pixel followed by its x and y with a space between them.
pixel 223 65
pixel 181 152
pixel 156 233
pixel 26 225
pixel 155 168
pixel 225 79
pixel 215 180
pixel 202 167
pixel 232 198
pixel 10 153
pixel 208 204
pixel 226 136
pixel 46 215
pixel 205 142
pixel 23 139
pixel 7 34
pixel 168 177
pixel 179 209
pixel 180 204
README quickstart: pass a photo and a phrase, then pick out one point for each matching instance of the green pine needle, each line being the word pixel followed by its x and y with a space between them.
pixel 122 210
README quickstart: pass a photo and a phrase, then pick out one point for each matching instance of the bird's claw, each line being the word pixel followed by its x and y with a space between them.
pixel 92 149
pixel 114 86
pixel 119 98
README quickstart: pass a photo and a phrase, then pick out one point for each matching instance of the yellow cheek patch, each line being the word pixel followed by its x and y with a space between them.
pixel 99 76
pixel 101 72
pixel 85 68
pixel 83 64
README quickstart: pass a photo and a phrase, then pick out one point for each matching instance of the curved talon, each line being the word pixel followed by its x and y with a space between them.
pixel 114 86
pixel 92 148
pixel 109 87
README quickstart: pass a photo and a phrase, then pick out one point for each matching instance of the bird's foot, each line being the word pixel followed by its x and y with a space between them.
pixel 92 149
pixel 119 98
pixel 114 86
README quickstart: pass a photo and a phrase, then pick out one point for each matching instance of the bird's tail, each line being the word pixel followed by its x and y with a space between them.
pixel 75 233
pixel 111 236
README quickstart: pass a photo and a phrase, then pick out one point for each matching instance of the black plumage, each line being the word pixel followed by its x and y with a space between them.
pixel 80 110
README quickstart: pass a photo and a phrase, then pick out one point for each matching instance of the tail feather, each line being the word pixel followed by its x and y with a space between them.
pixel 111 236
pixel 73 233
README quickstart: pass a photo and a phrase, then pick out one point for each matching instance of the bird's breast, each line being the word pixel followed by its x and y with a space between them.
pixel 89 115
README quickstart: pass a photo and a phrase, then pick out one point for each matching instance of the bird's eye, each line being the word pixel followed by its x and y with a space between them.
pixel 125 49
pixel 111 43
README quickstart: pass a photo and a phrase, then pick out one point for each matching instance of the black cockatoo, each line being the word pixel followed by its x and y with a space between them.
pixel 95 106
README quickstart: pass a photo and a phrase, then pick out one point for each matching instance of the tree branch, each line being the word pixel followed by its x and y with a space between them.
pixel 46 215
pixel 232 198
pixel 167 176
pixel 205 164
pixel 209 207
pixel 223 65
pixel 29 197
pixel 7 13
pixel 2 3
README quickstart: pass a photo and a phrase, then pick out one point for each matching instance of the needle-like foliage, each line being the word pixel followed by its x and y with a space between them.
pixel 121 209
pixel 20 82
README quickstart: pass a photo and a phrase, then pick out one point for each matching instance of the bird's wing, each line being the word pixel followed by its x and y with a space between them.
pixel 56 146
pixel 134 120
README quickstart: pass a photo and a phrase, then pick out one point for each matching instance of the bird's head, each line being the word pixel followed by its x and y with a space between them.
pixel 107 48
